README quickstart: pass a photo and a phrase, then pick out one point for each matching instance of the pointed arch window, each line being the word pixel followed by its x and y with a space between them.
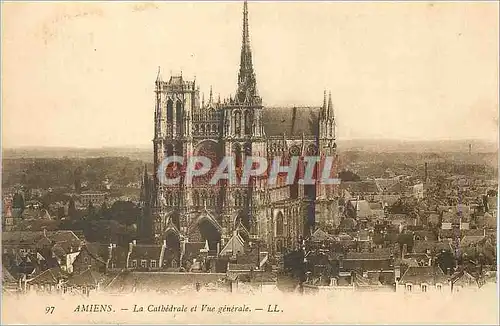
pixel 178 113
pixel 169 149
pixel 211 199
pixel 279 246
pixel 237 199
pixel 170 110
pixel 248 123
pixel 196 198
pixel 237 156
pixel 279 224
pixel 237 122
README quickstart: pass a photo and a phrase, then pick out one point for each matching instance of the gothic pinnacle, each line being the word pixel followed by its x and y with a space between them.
pixel 324 104
pixel 330 106
pixel 158 75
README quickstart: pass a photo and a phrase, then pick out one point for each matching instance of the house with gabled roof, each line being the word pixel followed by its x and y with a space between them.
pixel 321 236
pixel 9 282
pixel 472 240
pixel 145 257
pixel 463 279
pixel 234 245
pixel 161 282
pixel 85 281
pixel 93 255
pixel 423 279
pixel 47 281
pixel 62 246
pixel 430 247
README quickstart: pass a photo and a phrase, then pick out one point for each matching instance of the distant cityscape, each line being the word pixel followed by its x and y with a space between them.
pixel 89 221
pixel 425 230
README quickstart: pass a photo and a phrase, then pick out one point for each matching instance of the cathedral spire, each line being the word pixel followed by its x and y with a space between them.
pixel 211 95
pixel 247 88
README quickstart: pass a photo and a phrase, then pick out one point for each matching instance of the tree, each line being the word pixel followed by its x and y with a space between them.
pixel 18 201
pixel 446 261
pixel 347 175
pixel 125 212
pixel 406 239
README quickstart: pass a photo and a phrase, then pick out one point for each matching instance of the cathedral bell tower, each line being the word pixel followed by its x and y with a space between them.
pixel 175 101
pixel 327 143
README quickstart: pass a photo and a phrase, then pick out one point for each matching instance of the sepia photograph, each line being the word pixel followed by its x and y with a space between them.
pixel 249 162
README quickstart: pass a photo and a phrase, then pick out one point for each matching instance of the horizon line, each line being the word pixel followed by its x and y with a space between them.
pixel 141 145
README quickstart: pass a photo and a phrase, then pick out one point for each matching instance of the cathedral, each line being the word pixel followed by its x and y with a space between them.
pixel 276 215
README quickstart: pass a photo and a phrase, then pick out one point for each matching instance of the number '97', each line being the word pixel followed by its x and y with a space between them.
pixel 49 309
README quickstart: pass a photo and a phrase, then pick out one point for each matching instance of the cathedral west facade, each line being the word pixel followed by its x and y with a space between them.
pixel 184 124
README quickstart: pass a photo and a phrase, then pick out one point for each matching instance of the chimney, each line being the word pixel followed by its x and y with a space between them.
pixel 110 254
pixel 397 273
pixel 130 246
pixel 134 242
pixel 164 243
pixel 426 173
pixel 484 231
pixel 44 232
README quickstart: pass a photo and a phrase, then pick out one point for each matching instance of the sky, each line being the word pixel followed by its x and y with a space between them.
pixel 82 74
